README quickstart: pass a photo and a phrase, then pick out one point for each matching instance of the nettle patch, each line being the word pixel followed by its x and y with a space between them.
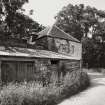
pixel 34 93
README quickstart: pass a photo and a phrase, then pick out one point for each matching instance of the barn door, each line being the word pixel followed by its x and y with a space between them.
pixel 25 71
pixel 8 72
pixel 17 71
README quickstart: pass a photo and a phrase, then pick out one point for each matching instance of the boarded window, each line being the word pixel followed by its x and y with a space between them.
pixel 54 62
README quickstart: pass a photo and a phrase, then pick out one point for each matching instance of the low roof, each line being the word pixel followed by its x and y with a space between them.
pixel 32 53
pixel 54 31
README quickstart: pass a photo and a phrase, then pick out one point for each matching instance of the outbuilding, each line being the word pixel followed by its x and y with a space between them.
pixel 19 64
pixel 54 52
pixel 56 40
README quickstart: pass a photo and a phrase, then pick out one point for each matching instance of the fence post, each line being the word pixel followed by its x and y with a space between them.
pixel 0 73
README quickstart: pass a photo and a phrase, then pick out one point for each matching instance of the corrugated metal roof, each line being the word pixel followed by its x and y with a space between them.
pixel 32 53
pixel 54 31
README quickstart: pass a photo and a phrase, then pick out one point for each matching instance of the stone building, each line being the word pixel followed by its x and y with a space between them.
pixel 56 40
pixel 54 52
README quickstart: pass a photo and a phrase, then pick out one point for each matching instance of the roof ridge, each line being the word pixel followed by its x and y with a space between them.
pixel 50 28
pixel 48 31
pixel 34 53
pixel 67 33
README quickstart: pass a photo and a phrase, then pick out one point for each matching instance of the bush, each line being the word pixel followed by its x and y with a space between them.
pixel 33 93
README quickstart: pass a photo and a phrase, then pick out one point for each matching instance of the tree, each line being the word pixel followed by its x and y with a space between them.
pixel 13 23
pixel 77 20
pixel 22 26
pixel 93 53
pixel 67 18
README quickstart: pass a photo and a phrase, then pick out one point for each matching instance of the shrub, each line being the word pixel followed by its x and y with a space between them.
pixel 33 93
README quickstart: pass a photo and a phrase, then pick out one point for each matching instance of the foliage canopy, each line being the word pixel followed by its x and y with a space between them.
pixel 81 22
pixel 13 23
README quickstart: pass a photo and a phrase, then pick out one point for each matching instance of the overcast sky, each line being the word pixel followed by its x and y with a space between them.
pixel 45 10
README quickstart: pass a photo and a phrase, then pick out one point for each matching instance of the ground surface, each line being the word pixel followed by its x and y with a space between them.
pixel 95 95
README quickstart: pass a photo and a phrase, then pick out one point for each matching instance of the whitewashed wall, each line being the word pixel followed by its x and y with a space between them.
pixel 70 48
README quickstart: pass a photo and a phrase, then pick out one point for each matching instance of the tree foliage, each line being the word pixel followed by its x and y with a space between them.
pixel 81 21
pixel 78 20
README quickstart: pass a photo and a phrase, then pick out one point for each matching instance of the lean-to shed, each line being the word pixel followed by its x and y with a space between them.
pixel 19 64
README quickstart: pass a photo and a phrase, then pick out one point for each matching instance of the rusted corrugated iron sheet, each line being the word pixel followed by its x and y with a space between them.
pixel 56 32
pixel 32 53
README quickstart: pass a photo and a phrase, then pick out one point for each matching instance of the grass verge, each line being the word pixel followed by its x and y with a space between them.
pixel 33 93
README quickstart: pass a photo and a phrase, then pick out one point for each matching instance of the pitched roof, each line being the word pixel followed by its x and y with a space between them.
pixel 32 53
pixel 54 31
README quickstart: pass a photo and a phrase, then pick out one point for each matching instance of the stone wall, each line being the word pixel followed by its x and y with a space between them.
pixel 61 46
pixel 39 70
pixel 41 44
pixel 58 67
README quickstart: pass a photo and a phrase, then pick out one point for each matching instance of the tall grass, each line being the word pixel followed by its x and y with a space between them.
pixel 34 93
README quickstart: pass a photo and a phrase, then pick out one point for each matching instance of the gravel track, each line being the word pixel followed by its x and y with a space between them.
pixel 95 95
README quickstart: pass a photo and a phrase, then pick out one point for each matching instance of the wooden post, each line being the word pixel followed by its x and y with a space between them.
pixel 0 73
pixel 81 64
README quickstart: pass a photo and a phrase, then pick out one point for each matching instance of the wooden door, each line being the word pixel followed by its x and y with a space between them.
pixel 8 71
pixel 17 71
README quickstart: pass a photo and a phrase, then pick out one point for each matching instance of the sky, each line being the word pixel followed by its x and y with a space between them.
pixel 46 10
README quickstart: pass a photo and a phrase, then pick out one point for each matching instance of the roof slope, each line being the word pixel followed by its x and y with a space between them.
pixel 54 31
pixel 32 53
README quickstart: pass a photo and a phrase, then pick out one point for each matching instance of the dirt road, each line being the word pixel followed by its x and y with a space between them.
pixel 95 95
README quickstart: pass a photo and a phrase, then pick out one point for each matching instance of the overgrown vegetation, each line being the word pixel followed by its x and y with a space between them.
pixel 14 23
pixel 33 93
